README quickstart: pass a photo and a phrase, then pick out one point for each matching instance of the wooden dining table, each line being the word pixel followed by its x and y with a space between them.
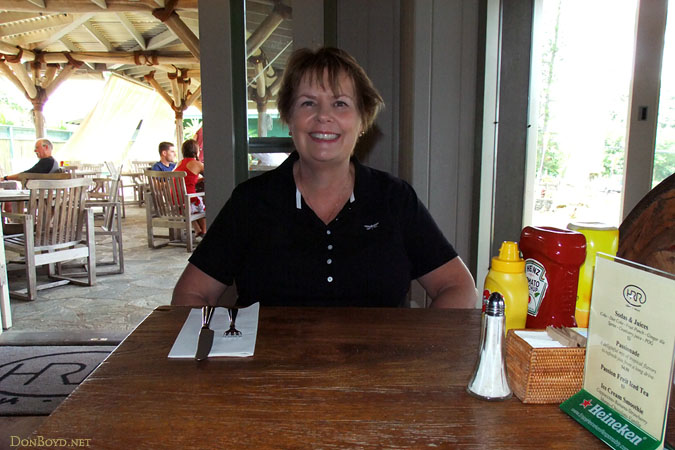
pixel 14 195
pixel 319 378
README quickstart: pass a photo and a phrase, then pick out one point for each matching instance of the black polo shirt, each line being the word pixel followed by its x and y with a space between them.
pixel 44 165
pixel 279 252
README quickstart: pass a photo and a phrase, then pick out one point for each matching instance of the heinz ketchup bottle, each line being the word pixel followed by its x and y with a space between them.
pixel 552 260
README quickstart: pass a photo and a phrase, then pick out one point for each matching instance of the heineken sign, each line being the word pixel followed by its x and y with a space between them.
pixel 607 424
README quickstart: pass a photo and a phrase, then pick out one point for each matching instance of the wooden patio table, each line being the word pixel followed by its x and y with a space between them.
pixel 320 378
pixel 14 195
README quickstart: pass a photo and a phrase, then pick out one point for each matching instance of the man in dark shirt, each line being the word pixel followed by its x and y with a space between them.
pixel 167 157
pixel 46 164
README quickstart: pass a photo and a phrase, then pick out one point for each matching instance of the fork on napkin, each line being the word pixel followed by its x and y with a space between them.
pixel 185 345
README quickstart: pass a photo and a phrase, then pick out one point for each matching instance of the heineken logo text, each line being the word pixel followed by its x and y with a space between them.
pixel 621 428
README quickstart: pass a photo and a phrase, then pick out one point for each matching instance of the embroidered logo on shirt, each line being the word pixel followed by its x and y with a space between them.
pixel 371 227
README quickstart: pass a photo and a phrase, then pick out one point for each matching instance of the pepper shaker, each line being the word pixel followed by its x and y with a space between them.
pixel 489 378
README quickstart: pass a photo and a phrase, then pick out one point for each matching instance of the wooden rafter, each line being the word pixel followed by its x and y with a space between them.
pixel 40 24
pixel 100 3
pixel 138 37
pixel 184 33
pixel 150 78
pixel 38 3
pixel 267 27
pixel 60 78
pixel 82 6
pixel 76 22
pixel 110 57
pixel 50 72
pixel 7 72
pixel 175 90
pixel 193 96
pixel 69 45
pixel 98 35
pixel 161 40
pixel 10 16
pixel 22 74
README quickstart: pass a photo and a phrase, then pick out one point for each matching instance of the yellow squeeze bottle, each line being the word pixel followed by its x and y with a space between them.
pixel 507 276
pixel 600 237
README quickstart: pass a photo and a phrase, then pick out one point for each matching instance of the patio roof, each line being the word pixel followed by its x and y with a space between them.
pixel 155 42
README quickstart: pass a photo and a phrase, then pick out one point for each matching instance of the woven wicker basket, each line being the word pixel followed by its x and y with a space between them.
pixel 543 375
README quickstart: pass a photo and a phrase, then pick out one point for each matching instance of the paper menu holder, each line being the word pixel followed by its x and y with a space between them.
pixel 630 355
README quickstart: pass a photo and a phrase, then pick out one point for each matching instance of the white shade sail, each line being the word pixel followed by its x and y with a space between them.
pixel 107 133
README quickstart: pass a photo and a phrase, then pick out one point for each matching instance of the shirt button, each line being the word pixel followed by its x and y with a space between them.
pixel 330 279
pixel 327 231
pixel 330 246
pixel 329 261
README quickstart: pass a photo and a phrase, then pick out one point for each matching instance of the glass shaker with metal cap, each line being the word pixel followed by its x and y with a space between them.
pixel 489 378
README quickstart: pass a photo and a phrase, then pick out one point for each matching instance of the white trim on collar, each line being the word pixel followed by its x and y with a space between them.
pixel 298 198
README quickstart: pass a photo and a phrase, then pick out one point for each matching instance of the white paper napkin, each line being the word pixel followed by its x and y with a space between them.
pixel 541 339
pixel 244 345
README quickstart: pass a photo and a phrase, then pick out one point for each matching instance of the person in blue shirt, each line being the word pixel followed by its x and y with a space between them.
pixel 167 157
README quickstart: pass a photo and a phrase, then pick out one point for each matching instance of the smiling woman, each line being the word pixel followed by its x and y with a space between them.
pixel 322 229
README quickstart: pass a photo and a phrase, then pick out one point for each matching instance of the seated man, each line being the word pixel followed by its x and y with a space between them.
pixel 46 164
pixel 167 157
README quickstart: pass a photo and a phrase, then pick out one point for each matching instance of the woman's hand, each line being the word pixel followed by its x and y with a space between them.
pixel 450 286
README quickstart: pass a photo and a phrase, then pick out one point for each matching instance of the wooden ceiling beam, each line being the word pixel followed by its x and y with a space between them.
pixel 193 96
pixel 98 35
pixel 77 21
pixel 7 72
pixel 50 72
pixel 60 78
pixel 267 27
pixel 8 17
pixel 38 3
pixel 138 37
pixel 22 74
pixel 151 79
pixel 175 90
pixel 70 46
pixel 27 26
pixel 82 6
pixel 9 49
pixel 161 40
pixel 184 33
pixel 122 58
pixel 100 3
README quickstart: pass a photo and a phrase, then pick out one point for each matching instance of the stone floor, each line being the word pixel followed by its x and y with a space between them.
pixel 117 303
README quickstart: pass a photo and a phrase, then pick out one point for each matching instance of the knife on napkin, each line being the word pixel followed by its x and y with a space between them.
pixel 205 334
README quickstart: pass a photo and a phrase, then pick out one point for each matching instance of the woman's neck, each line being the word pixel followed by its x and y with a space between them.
pixel 322 178
pixel 325 190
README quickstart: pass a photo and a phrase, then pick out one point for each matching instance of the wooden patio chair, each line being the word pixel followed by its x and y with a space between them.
pixel 19 207
pixel 138 180
pixel 26 177
pixel 168 206
pixel 113 170
pixel 58 227
pixel 89 170
pixel 110 223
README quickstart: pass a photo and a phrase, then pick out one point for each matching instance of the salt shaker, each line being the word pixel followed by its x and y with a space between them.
pixel 489 378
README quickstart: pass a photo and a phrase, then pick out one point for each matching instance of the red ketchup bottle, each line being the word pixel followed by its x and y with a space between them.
pixel 552 260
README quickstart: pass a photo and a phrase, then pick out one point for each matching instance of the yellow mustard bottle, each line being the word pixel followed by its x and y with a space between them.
pixel 507 276
pixel 600 237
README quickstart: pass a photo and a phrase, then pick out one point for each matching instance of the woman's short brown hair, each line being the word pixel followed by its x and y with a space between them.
pixel 190 149
pixel 333 61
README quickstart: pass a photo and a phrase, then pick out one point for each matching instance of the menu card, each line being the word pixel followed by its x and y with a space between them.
pixel 629 355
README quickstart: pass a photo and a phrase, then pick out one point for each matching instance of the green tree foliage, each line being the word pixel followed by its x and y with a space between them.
pixel 12 113
pixel 548 155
